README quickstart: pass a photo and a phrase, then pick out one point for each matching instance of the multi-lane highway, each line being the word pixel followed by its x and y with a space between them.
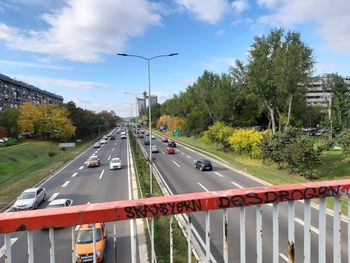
pixel 84 186
pixel 181 177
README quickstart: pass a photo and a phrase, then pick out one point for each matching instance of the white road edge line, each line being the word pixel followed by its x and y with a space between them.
pixel 74 175
pixel 65 183
pixel 81 167
pixel 237 185
pixel 176 164
pixel 218 174
pixel 109 157
pixel 2 250
pixel 205 189
pixel 301 222
pixel 53 196
pixel 284 257
pixel 101 174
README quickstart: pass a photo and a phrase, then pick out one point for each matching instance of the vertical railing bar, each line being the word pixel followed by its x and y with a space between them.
pixel 322 231
pixel 336 230
pixel 291 231
pixel 52 245
pixel 225 235
pixel 152 240
pixel 115 241
pixel 8 254
pixel 207 236
pixel 171 239
pixel 275 231
pixel 73 243
pixel 259 234
pixel 189 250
pixel 30 247
pixel 242 234
pixel 307 230
pixel 94 243
pixel 348 228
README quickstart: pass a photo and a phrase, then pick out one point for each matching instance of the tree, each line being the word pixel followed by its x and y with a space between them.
pixel 8 120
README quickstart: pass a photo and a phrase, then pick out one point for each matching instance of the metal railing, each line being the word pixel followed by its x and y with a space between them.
pixel 206 202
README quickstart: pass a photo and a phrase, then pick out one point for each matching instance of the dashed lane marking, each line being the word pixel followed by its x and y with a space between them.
pixel 237 185
pixel 65 183
pixel 284 257
pixel 182 152
pixel 301 222
pixel 176 164
pixel 205 189
pixel 81 167
pixel 189 157
pixel 74 175
pixel 218 174
pixel 2 250
pixel 101 174
pixel 113 149
pixel 53 196
pixel 109 157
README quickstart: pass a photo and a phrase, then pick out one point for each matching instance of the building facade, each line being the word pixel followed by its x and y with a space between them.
pixel 13 93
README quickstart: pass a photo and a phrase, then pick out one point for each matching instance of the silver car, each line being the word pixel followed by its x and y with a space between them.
pixel 60 203
pixel 30 199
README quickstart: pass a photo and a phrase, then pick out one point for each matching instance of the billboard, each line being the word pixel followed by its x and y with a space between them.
pixel 141 106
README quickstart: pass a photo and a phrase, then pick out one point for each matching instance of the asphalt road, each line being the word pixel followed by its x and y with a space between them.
pixel 83 185
pixel 179 173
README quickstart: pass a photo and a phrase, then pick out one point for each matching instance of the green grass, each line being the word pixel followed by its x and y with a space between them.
pixel 335 165
pixel 24 165
pixel 161 224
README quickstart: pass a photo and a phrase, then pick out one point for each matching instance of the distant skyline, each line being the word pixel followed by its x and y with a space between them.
pixel 69 47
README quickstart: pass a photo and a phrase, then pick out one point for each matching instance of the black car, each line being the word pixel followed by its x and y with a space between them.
pixel 146 142
pixel 203 165
pixel 112 137
pixel 171 144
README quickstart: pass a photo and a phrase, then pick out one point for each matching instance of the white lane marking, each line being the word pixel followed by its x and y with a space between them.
pixel 88 203
pixel 2 250
pixel 189 157
pixel 101 174
pixel 81 167
pixel 53 196
pixel 182 152
pixel 237 185
pixel 115 144
pixel 203 187
pixel 113 149
pixel 74 175
pixel 301 222
pixel 176 164
pixel 96 151
pixel 65 183
pixel 283 256
pixel 218 174
pixel 109 157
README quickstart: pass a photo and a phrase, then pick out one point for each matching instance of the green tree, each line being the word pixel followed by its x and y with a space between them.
pixel 8 120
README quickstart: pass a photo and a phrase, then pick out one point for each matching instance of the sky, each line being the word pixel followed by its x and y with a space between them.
pixel 69 47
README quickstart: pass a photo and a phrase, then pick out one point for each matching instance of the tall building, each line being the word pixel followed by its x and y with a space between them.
pixel 316 95
pixel 13 93
pixel 154 99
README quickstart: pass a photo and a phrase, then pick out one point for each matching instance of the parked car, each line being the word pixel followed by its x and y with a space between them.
pixel 84 243
pixel 60 203
pixel 97 145
pixel 93 161
pixel 203 165
pixel 30 199
pixel 169 150
pixel 171 144
pixel 154 148
pixel 115 163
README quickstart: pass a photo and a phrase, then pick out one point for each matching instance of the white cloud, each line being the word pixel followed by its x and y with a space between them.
pixel 32 65
pixel 220 32
pixel 211 12
pixel 240 5
pixel 331 19
pixel 267 3
pixel 82 30
pixel 219 64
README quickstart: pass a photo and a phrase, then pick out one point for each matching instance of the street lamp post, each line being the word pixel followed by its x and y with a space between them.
pixel 149 108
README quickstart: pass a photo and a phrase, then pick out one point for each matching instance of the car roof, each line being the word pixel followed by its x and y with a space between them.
pixel 116 159
pixel 90 226
pixel 58 201
pixel 31 190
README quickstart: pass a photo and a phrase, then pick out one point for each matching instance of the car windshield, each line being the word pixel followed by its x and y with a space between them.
pixel 85 236
pixel 27 195
pixel 94 158
pixel 115 161
pixel 206 162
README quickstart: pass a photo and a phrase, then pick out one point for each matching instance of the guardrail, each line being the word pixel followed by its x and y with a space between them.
pixel 206 202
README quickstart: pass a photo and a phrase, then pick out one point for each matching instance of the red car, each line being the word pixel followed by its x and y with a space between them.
pixel 169 150
pixel 163 139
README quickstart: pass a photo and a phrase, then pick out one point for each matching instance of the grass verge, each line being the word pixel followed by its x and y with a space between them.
pixel 25 165
pixel 161 224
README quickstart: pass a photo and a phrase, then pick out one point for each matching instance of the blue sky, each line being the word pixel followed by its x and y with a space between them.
pixel 69 47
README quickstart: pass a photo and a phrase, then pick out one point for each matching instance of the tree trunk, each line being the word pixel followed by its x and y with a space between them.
pixel 289 110
pixel 272 116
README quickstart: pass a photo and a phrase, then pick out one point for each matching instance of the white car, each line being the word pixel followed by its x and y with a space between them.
pixel 103 141
pixel 115 163
pixel 60 203
pixel 30 199
pixel 123 136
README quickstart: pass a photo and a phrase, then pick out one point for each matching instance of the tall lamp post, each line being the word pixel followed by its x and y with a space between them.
pixel 149 107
